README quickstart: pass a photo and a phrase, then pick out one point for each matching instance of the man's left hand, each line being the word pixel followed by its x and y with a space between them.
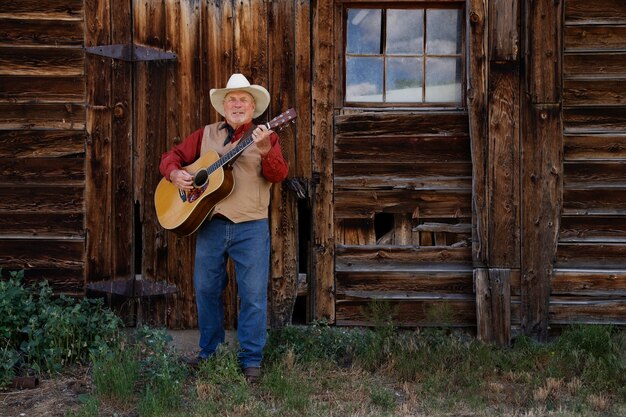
pixel 261 137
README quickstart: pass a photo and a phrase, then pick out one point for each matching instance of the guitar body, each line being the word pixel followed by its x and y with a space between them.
pixel 184 211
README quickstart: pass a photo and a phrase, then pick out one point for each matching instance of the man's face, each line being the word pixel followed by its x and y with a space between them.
pixel 238 108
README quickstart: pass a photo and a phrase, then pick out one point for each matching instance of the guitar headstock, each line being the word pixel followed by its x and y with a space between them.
pixel 282 119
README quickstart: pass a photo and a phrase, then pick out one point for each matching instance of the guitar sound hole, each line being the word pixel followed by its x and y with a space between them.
pixel 201 178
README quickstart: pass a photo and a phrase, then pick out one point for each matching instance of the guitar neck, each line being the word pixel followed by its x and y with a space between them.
pixel 242 145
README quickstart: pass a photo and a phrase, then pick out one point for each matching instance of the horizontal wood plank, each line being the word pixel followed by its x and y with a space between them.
pixel 46 61
pixel 594 174
pixel 368 258
pixel 390 123
pixel 417 176
pixel 594 92
pixel 393 149
pixel 42 116
pixel 55 89
pixel 594 119
pixel 41 199
pixel 595 11
pixel 40 253
pixel 593 229
pixel 418 281
pixel 604 64
pixel 423 204
pixel 585 255
pixel 594 146
pixel 602 283
pixel 44 171
pixel 594 201
pixel 49 8
pixel 41 143
pixel 29 31
pixel 437 311
pixel 589 311
pixel 594 38
pixel 47 225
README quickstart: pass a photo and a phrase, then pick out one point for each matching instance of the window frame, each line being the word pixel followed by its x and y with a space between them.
pixel 384 6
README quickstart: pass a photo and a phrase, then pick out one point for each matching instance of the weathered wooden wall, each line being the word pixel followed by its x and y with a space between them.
pixel 409 176
pixel 42 141
pixel 268 42
pixel 505 214
pixel 589 282
pixel 81 136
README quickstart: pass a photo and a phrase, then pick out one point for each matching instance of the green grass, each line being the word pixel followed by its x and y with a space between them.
pixel 320 370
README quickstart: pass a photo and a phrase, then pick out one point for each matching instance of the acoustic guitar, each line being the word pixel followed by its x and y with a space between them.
pixel 183 211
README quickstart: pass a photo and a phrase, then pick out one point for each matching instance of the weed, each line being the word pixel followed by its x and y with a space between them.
pixel 50 333
pixel 115 374
pixel 383 398
pixel 89 408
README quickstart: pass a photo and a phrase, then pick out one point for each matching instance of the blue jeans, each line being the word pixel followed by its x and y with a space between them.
pixel 248 245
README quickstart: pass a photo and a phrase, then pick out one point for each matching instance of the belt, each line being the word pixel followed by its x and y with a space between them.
pixel 222 217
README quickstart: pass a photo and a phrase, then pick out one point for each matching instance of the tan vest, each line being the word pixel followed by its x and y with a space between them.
pixel 251 195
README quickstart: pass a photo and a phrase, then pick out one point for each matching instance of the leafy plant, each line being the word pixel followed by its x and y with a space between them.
pixel 48 333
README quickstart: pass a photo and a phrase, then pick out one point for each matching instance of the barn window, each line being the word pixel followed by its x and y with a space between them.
pixel 404 56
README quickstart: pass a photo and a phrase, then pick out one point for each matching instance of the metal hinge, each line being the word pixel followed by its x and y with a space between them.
pixel 131 53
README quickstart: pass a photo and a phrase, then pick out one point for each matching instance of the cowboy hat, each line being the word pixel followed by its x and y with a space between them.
pixel 238 82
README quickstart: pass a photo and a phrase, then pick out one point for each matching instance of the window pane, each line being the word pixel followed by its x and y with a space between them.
pixel 404 80
pixel 363 31
pixel 405 31
pixel 443 80
pixel 443 33
pixel 364 79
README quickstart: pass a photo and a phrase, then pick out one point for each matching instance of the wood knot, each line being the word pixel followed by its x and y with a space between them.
pixel 118 111
pixel 474 17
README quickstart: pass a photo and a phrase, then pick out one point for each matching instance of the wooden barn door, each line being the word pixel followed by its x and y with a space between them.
pixel 400 174
pixel 140 107
pixel 129 92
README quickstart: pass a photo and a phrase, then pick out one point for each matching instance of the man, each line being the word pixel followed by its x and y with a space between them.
pixel 238 225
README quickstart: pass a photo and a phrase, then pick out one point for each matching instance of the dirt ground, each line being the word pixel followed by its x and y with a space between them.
pixel 57 396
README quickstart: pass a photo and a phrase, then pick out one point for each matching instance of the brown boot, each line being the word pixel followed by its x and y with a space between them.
pixel 252 374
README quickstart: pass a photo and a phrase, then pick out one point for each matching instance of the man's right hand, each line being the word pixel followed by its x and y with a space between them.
pixel 182 179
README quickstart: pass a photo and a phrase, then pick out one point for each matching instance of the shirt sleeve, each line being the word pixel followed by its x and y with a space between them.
pixel 182 154
pixel 273 165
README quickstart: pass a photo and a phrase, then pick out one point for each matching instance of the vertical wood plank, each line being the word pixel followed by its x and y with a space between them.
pixel 323 79
pixel 543 49
pixel 542 160
pixel 184 115
pixel 542 199
pixel 403 229
pixel 302 46
pixel 218 57
pixel 503 175
pixel 122 211
pixel 149 19
pixel 251 41
pixel 217 40
pixel 493 305
pixel 504 30
pixel 477 111
pixel 283 208
pixel 484 328
pixel 98 193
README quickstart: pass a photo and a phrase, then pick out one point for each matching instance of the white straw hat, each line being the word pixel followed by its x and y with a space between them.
pixel 238 82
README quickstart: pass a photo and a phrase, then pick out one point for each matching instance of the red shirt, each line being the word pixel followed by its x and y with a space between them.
pixel 273 165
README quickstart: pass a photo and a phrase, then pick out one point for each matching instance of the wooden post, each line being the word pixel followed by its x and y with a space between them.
pixel 542 172
pixel 477 111
pixel 493 305
pixel 323 245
